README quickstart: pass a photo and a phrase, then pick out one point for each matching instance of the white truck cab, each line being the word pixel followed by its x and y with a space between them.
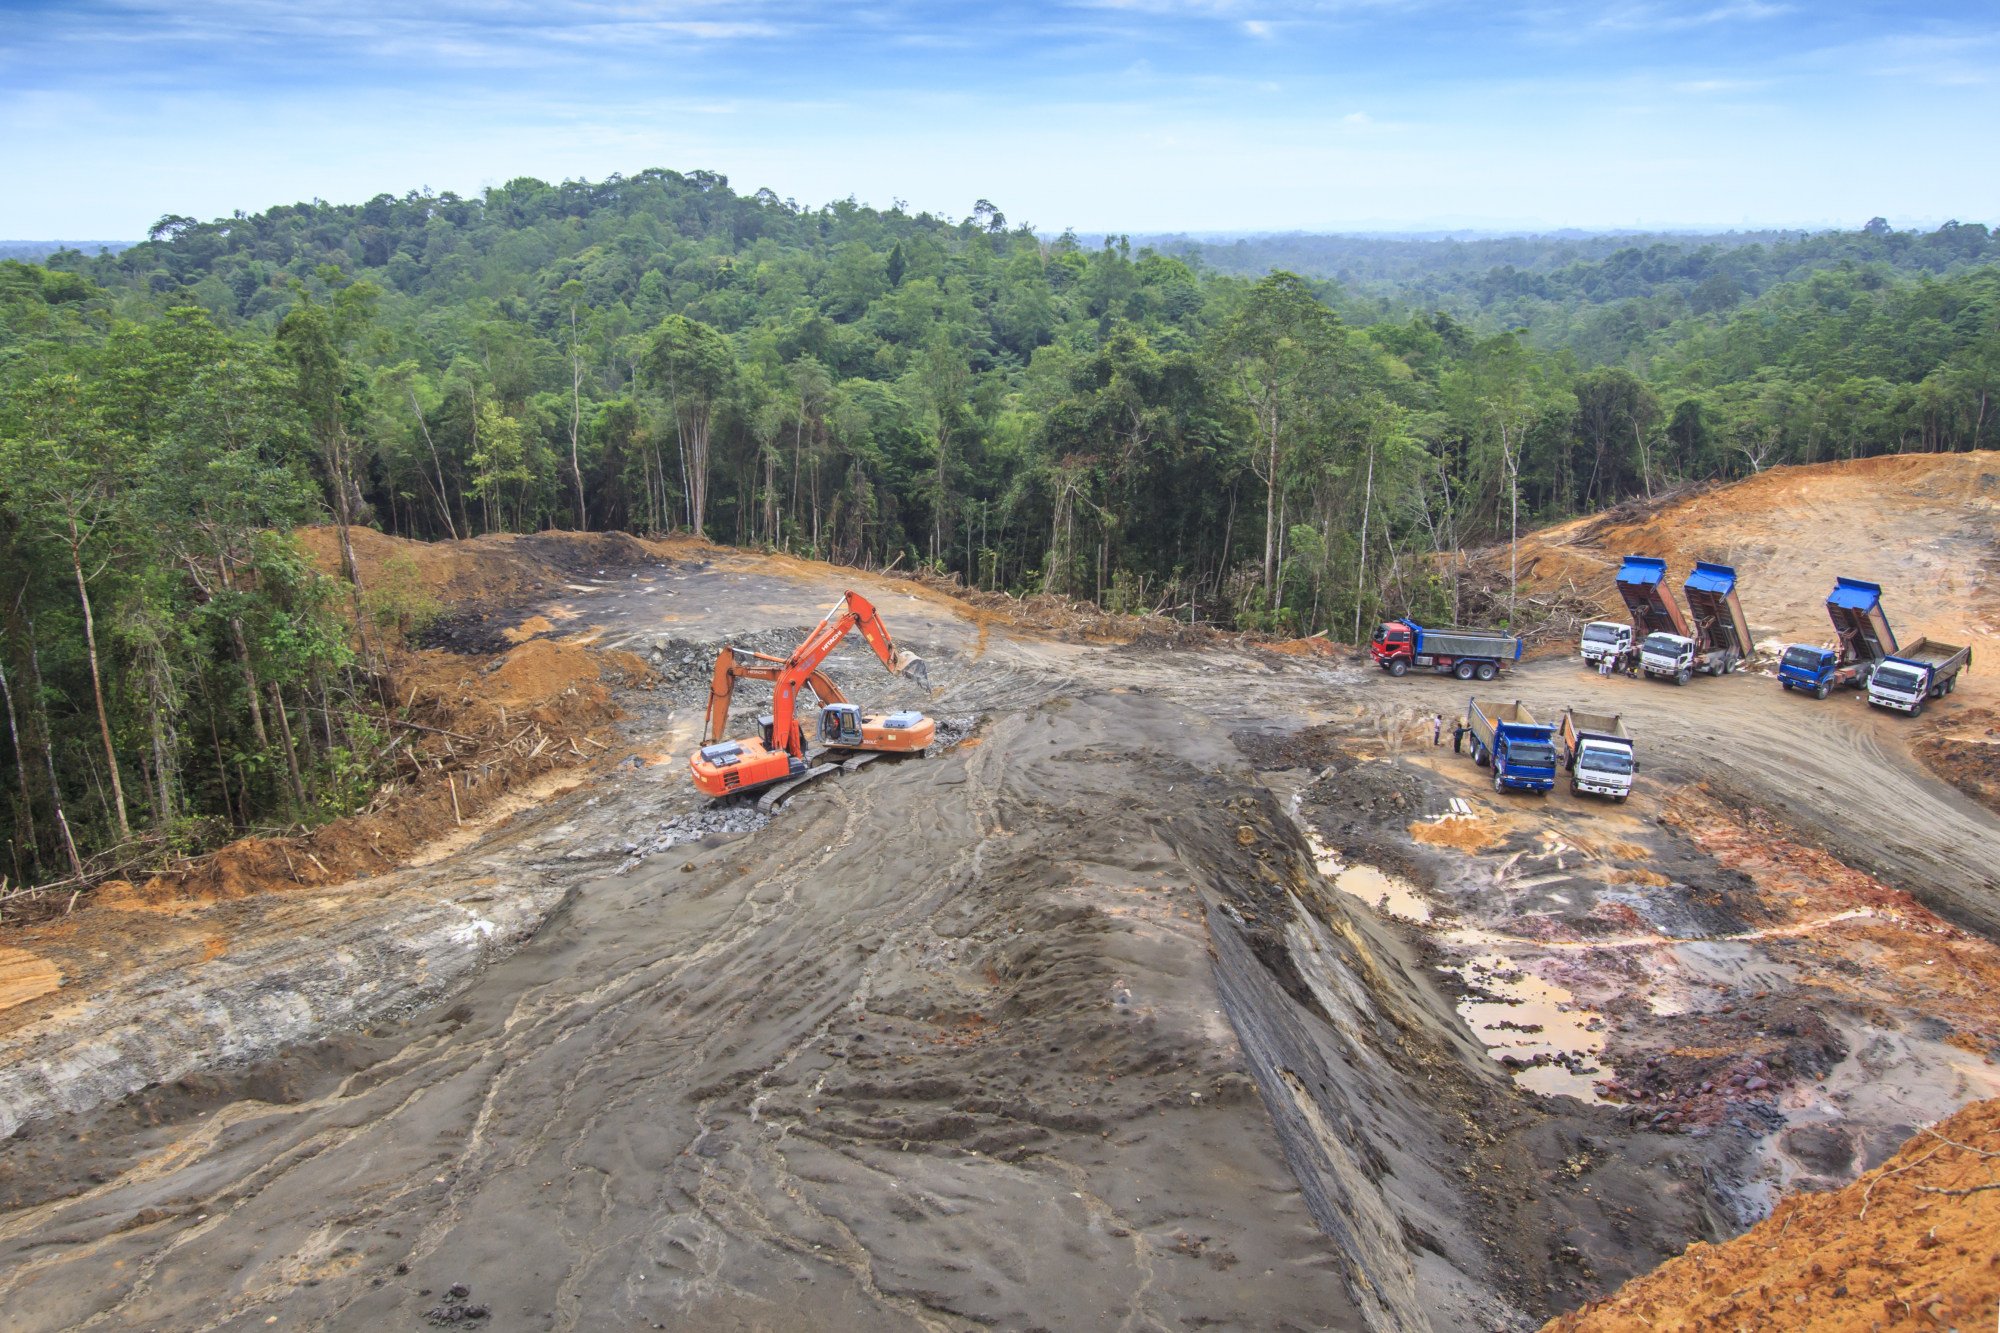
pixel 1605 638
pixel 1902 686
pixel 1603 768
pixel 1668 655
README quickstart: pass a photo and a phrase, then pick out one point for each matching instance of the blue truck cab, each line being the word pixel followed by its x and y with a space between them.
pixel 1804 667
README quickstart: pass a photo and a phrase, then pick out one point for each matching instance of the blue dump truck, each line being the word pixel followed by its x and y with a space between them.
pixel 1926 669
pixel 1521 750
pixel 1715 640
pixel 1862 639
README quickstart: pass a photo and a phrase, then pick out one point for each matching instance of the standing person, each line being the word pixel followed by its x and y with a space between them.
pixel 1604 666
pixel 1458 736
pixel 1437 728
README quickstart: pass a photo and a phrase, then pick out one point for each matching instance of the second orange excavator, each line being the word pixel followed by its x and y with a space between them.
pixel 779 750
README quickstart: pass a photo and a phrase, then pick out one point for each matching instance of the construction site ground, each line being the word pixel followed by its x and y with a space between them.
pixel 1186 982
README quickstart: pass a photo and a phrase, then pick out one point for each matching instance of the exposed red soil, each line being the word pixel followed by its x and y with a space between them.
pixel 1913 1244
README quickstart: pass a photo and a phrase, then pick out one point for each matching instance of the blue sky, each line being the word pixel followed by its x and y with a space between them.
pixel 1136 115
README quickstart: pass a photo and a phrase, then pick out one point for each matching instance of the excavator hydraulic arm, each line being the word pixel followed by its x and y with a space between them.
pixel 722 767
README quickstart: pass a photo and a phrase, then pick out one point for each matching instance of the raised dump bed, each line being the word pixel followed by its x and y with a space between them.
pixel 1862 640
pixel 1642 582
pixel 1718 626
pixel 1860 624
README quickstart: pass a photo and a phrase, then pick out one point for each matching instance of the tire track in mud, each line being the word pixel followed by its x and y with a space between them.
pixel 941 1048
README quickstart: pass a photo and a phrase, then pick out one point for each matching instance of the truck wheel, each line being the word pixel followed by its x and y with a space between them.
pixel 1573 788
pixel 1498 784
pixel 1620 797
pixel 1821 691
pixel 1463 671
pixel 1951 685
pixel 1917 708
pixel 1398 666
pixel 1683 676
pixel 1786 685
pixel 1479 755
pixel 1487 671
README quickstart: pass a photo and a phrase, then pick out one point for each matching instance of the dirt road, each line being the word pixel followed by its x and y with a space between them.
pixel 1835 767
pixel 1061 1027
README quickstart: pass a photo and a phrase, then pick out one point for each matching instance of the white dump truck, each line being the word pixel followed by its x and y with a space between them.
pixel 1597 751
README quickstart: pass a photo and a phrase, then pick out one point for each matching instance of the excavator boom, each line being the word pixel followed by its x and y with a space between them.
pixel 733 664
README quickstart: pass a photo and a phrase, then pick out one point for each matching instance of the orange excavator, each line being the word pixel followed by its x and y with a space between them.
pixel 778 752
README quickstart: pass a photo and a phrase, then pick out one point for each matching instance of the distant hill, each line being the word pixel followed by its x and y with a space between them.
pixel 33 252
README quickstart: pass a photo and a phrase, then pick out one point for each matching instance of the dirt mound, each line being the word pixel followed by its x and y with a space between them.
pixel 1914 1243
pixel 1924 526
pixel 468 735
pixel 499 567
pixel 1963 748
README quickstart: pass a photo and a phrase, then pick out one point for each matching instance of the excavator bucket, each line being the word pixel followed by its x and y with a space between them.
pixel 909 664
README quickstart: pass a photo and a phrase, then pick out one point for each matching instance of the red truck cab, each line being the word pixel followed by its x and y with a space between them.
pixel 1392 639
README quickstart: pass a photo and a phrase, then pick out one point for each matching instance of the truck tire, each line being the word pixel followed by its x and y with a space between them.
pixel 1786 685
pixel 1821 691
pixel 1917 708
pixel 1683 676
pixel 1463 671
pixel 1487 671
pixel 1399 666
pixel 1620 797
pixel 1479 755
pixel 1498 784
pixel 1573 791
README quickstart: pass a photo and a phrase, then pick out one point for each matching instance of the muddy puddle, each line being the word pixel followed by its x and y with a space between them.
pixel 1548 1042
pixel 1391 895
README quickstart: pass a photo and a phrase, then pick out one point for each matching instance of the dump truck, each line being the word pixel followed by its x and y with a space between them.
pixel 1597 751
pixel 1924 670
pixel 1862 638
pixel 1604 639
pixel 1716 639
pixel 1398 645
pixel 1521 751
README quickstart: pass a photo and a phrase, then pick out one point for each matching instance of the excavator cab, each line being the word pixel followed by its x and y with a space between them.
pixel 840 725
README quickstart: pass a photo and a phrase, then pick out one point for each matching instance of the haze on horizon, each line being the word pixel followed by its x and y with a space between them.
pixel 1132 115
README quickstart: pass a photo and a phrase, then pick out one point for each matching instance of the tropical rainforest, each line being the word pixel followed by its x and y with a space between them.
pixel 1288 434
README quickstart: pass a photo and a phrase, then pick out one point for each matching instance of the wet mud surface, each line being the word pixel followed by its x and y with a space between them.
pixel 1173 994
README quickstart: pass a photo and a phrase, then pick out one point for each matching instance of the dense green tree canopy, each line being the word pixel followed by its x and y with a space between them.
pixel 1171 427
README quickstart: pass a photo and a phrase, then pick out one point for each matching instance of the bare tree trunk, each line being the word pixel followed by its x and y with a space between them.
pixel 1361 574
pixel 576 423
pixel 1271 505
pixel 48 743
pixel 291 751
pixel 27 816
pixel 97 682
pixel 443 495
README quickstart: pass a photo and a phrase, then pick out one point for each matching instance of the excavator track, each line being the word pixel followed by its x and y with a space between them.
pixel 823 764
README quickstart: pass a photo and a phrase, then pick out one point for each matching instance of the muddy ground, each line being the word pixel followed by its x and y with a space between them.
pixel 1179 992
